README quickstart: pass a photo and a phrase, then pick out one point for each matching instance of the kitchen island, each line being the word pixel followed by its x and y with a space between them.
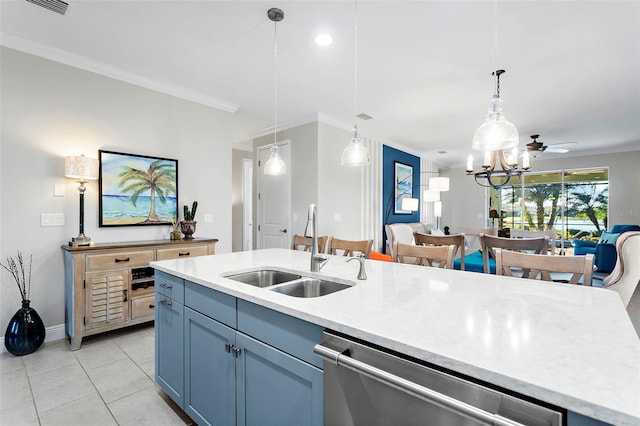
pixel 570 346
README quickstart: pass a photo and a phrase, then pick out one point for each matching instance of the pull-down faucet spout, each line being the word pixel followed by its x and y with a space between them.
pixel 318 260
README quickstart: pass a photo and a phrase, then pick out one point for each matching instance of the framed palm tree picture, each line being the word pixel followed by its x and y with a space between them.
pixel 137 190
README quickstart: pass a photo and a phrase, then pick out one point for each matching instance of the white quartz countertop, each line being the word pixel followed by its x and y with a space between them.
pixel 568 345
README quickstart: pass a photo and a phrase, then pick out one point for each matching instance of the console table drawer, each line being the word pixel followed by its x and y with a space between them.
pixel 142 307
pixel 119 260
pixel 179 253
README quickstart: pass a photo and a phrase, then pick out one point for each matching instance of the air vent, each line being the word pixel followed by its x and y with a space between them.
pixel 364 116
pixel 57 6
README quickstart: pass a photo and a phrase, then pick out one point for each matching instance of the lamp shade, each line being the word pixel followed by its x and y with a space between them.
pixel 439 183
pixel 437 209
pixel 430 195
pixel 410 204
pixel 81 167
pixel 275 165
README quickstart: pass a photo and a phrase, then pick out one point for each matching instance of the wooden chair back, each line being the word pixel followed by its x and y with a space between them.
pixel 349 247
pixel 472 236
pixel 490 243
pixel 436 256
pixel 550 233
pixel 300 242
pixel 541 266
pixel 442 240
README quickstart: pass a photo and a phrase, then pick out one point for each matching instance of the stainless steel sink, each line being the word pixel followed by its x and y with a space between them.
pixel 310 287
pixel 264 277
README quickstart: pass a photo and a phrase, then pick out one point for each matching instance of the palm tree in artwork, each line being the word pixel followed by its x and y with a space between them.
pixel 159 179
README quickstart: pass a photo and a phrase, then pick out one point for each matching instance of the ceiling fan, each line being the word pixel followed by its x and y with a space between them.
pixel 538 148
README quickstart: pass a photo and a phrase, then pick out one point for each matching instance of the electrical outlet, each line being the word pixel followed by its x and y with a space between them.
pixel 208 218
pixel 51 219
pixel 295 217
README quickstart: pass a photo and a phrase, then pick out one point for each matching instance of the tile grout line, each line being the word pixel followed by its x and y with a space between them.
pixel 97 391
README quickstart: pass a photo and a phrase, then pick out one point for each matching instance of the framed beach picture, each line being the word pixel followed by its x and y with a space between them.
pixel 137 190
pixel 403 185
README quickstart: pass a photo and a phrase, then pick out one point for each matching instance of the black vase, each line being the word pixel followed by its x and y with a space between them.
pixel 25 332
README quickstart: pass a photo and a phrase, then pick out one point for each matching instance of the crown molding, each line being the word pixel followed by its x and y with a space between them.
pixel 87 64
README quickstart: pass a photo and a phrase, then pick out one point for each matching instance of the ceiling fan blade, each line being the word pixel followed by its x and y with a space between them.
pixel 557 150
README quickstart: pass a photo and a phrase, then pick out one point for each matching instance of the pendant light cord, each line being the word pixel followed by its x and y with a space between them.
pixel 355 61
pixel 495 46
pixel 275 82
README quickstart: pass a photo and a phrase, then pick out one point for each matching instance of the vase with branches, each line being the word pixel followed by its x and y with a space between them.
pixel 25 332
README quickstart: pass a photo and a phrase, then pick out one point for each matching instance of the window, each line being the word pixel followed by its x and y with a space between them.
pixel 573 202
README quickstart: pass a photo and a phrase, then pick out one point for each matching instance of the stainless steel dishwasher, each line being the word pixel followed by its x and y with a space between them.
pixel 365 385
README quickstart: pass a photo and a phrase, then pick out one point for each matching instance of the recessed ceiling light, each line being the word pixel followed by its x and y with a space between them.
pixel 324 40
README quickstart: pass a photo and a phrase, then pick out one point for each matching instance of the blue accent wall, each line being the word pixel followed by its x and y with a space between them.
pixel 389 156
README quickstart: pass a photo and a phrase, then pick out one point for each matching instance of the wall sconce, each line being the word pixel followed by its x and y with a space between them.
pixel 82 169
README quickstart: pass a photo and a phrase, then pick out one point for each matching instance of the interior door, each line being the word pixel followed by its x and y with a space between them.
pixel 274 201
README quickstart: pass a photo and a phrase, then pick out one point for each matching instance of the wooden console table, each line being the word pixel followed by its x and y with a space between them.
pixel 110 286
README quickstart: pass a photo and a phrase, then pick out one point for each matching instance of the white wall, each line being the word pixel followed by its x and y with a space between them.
pixel 467 203
pixel 237 215
pixel 303 170
pixel 49 111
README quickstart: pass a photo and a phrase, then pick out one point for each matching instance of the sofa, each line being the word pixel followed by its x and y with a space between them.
pixel 604 250
pixel 403 233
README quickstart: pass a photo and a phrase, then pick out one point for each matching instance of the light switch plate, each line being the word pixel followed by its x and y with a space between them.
pixel 58 190
pixel 208 218
pixel 337 217
pixel 51 219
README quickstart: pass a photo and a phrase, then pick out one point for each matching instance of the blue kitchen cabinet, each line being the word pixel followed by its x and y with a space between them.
pixel 169 344
pixel 210 382
pixel 275 388
pixel 230 362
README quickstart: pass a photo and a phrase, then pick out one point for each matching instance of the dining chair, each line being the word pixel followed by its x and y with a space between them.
pixel 442 240
pixel 626 274
pixel 349 247
pixel 473 255
pixel 550 233
pixel 435 256
pixel 489 243
pixel 541 266
pixel 300 242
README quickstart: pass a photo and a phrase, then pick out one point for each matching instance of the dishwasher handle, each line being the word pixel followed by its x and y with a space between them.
pixel 344 360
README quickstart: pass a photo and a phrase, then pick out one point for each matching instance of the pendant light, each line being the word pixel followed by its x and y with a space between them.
pixel 355 154
pixel 495 136
pixel 275 165
pixel 496 132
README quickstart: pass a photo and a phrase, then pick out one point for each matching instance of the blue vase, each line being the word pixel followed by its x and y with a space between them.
pixel 25 332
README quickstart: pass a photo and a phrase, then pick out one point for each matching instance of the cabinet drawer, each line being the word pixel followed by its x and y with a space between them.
pixel 142 307
pixel 178 253
pixel 169 285
pixel 291 335
pixel 119 260
pixel 210 302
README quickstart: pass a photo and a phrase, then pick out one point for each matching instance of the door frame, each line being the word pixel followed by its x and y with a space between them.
pixel 247 204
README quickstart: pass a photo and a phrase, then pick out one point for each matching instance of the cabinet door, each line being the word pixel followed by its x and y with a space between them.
pixel 275 388
pixel 106 298
pixel 169 347
pixel 210 389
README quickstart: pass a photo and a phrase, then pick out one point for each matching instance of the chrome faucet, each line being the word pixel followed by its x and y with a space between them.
pixel 362 275
pixel 318 260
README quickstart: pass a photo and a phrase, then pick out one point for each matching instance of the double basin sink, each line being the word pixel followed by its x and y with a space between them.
pixel 289 283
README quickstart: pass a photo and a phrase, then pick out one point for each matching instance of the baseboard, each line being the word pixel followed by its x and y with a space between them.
pixel 53 333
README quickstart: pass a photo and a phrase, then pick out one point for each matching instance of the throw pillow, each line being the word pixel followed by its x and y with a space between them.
pixel 608 238
pixel 437 232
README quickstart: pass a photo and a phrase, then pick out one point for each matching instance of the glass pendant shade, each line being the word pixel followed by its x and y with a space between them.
pixel 496 133
pixel 355 154
pixel 275 166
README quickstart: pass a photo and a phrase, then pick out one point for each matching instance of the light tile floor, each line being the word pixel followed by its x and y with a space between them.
pixel 108 381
